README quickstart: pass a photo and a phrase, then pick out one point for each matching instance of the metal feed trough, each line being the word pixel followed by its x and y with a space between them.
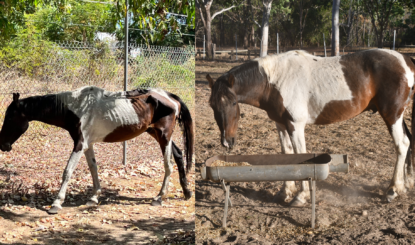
pixel 282 167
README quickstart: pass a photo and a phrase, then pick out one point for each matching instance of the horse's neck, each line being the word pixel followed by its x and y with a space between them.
pixel 252 94
pixel 48 109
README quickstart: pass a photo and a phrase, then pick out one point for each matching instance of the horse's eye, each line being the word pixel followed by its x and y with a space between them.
pixel 234 103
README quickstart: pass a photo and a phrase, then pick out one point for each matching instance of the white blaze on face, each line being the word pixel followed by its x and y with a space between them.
pixel 100 111
pixel 164 94
pixel 306 82
pixel 409 75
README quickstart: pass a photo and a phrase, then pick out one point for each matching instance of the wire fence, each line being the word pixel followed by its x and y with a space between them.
pixel 47 68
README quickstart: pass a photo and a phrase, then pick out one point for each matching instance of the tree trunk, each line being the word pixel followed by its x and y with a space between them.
pixel 246 25
pixel 350 20
pixel 252 35
pixel 335 49
pixel 265 27
pixel 379 37
pixel 208 31
pixel 222 32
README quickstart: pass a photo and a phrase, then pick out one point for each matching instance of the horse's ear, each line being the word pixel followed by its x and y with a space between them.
pixel 210 80
pixel 231 80
pixel 16 96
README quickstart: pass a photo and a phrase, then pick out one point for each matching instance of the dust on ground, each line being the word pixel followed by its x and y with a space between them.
pixel 349 206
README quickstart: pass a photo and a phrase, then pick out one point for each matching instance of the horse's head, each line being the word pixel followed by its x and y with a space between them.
pixel 15 124
pixel 224 103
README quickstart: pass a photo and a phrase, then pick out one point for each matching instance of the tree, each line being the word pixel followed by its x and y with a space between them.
pixel 80 22
pixel 152 16
pixel 265 27
pixel 380 12
pixel 335 43
pixel 206 17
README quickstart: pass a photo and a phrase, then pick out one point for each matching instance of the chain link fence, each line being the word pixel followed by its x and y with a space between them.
pixel 48 68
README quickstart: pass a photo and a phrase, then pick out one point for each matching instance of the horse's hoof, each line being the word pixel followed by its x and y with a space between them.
pixel 188 195
pixel 297 203
pixel 156 203
pixel 54 210
pixel 409 183
pixel 390 195
pixel 91 204
pixel 282 196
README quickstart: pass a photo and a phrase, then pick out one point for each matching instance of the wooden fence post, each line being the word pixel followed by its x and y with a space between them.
pixel 213 50
pixel 232 55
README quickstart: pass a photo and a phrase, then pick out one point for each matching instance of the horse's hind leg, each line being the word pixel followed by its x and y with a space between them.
pixel 163 137
pixel 409 173
pixel 288 189
pixel 178 157
pixel 397 185
pixel 92 164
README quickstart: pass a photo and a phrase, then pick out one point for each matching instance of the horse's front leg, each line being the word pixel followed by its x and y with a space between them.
pixel 92 164
pixel 70 167
pixel 296 133
pixel 288 189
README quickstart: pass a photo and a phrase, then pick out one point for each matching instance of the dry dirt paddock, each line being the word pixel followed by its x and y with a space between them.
pixel 349 207
pixel 31 174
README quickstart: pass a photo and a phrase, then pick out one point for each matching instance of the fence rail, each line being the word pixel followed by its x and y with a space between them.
pixel 247 54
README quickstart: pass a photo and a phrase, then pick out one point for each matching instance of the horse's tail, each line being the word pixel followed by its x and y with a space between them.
pixel 186 123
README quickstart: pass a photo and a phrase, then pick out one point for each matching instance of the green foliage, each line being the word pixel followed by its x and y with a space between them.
pixel 178 73
pixel 79 21
pixel 27 52
pixel 36 57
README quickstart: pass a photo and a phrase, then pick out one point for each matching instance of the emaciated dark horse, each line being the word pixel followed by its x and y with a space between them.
pixel 91 115
pixel 296 88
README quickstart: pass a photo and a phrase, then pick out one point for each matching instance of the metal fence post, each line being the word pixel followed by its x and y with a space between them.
pixel 124 161
pixel 324 40
pixel 394 35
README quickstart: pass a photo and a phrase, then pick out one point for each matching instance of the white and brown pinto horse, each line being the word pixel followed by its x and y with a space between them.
pixel 296 88
pixel 91 115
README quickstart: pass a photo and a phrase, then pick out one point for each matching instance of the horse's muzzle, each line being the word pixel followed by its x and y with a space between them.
pixel 5 147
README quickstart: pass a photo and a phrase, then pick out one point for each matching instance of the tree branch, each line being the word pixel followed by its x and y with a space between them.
pixel 223 10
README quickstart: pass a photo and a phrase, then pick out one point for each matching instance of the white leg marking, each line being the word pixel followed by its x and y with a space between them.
pixel 168 168
pixel 397 185
pixel 70 167
pixel 90 158
pixel 298 141
pixel 288 189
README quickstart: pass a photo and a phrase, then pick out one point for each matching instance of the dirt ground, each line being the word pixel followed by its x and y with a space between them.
pixel 28 186
pixel 349 206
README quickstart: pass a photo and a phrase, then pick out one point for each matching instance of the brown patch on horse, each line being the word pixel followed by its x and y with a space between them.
pixel 150 108
pixel 144 111
pixel 273 103
pixel 365 74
